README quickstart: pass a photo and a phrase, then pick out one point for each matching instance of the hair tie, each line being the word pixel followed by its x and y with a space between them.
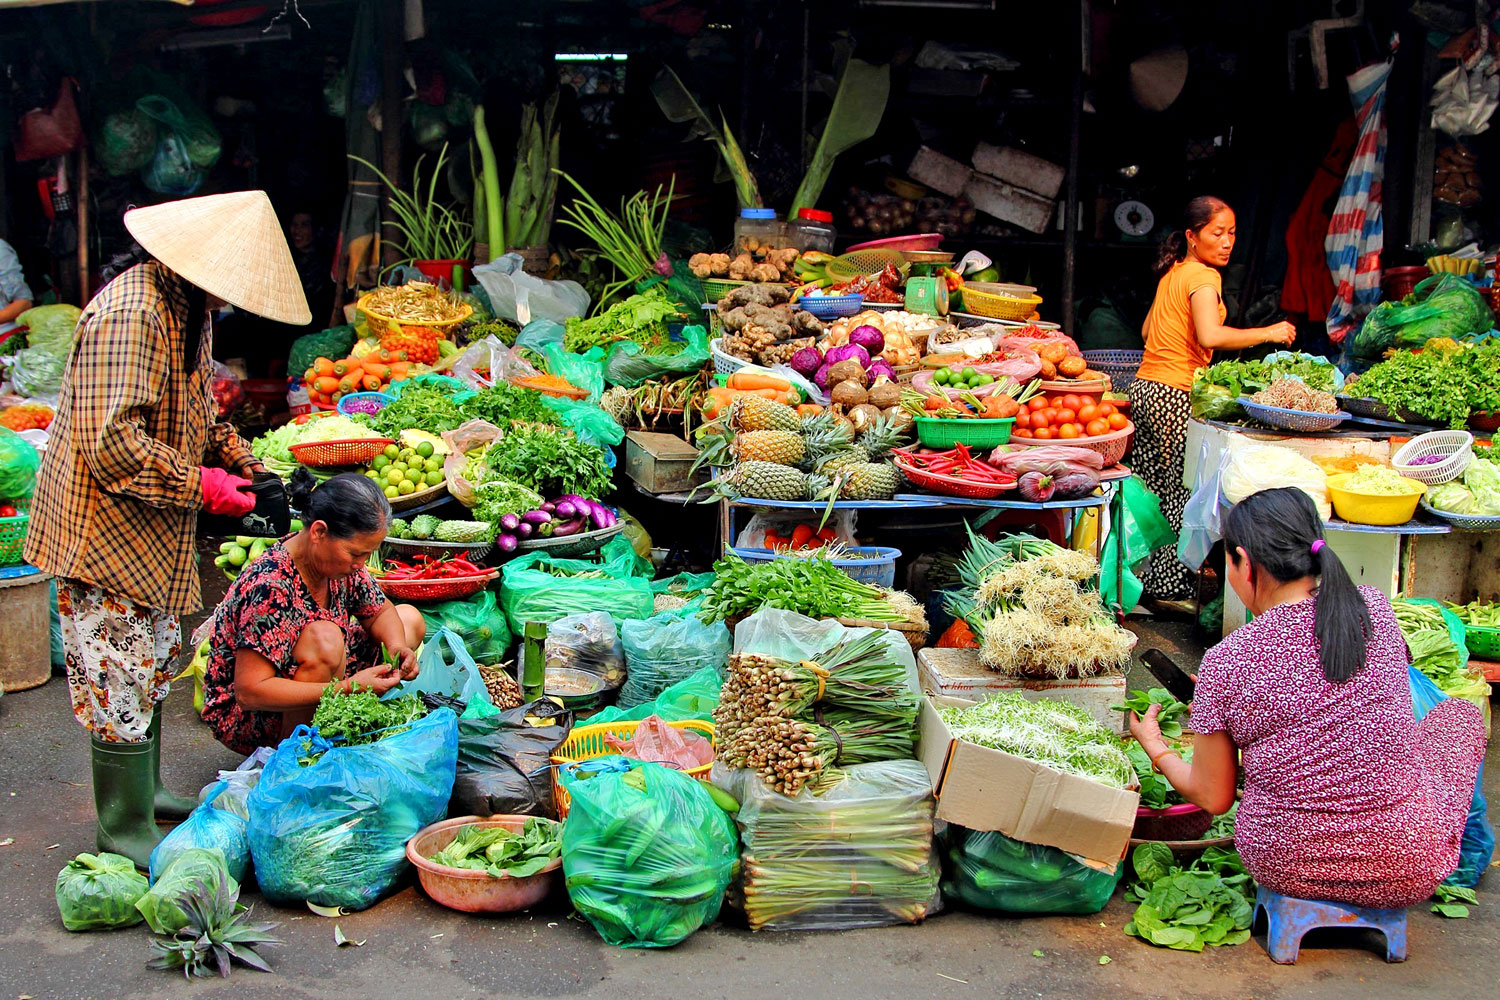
pixel 1317 546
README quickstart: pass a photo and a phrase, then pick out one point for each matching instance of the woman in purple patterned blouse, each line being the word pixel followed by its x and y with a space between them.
pixel 1346 796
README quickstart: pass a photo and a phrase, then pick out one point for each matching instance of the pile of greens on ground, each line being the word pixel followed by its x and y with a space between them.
pixel 359 716
pixel 502 403
pixel 641 318
pixel 425 408
pixel 502 852
pixel 1055 733
pixel 1217 387
pixel 1207 903
pixel 548 461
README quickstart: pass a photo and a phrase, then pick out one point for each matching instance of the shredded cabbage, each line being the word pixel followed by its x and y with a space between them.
pixel 335 428
pixel 1268 467
pixel 1378 480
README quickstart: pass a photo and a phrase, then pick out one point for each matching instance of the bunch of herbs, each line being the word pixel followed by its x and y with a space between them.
pixel 421 407
pixel 503 403
pixel 549 461
pixel 359 716
pixel 502 852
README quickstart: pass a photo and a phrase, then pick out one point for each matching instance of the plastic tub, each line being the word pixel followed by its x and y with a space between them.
pixel 812 229
pixel 943 433
pixel 758 229
pixel 878 571
pixel 1368 508
pixel 1484 642
pixel 471 891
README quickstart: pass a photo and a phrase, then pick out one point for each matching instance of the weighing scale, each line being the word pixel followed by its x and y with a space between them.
pixel 926 287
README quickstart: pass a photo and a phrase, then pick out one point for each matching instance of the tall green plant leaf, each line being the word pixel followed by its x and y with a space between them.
pixel 857 109
pixel 679 105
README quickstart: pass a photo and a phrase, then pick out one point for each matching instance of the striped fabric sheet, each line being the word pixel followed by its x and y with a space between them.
pixel 1356 233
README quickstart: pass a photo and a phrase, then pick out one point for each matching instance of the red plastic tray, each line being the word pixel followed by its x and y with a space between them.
pixel 921 241
pixel 951 486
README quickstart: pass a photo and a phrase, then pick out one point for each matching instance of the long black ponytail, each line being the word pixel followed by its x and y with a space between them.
pixel 1282 534
pixel 1198 213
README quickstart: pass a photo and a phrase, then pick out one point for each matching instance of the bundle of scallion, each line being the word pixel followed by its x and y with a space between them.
pixel 632 240
pixel 1058 734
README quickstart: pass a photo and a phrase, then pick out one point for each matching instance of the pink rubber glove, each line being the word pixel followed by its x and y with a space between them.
pixel 221 492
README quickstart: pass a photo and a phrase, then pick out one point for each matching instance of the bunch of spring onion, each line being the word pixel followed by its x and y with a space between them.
pixel 632 240
pixel 1060 735
pixel 812 587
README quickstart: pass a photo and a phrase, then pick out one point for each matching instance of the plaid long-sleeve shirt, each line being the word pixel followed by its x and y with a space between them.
pixel 118 496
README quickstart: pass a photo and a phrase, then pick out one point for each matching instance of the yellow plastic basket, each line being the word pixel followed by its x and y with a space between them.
pixel 379 323
pixel 587 742
pixel 999 306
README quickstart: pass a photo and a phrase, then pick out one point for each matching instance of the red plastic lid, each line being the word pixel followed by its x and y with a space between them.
pixel 814 215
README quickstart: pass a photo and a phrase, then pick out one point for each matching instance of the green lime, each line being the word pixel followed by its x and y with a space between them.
pixel 391 451
pixel 942 376
pixel 373 475
pixel 434 478
pixel 407 487
pixel 985 380
pixel 969 373
pixel 392 492
pixel 380 462
pixel 431 465
pixel 425 449
pixel 393 475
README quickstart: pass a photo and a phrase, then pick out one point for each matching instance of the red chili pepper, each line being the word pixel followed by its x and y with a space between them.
pixel 468 568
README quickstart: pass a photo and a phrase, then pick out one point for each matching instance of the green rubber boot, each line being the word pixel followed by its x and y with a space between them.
pixel 168 804
pixel 123 788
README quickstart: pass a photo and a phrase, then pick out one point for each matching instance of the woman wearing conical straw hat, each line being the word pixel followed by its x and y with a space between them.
pixel 135 453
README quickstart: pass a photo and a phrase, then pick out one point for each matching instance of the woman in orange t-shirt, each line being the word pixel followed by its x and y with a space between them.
pixel 1182 330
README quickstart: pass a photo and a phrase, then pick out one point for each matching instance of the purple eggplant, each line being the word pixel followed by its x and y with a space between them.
pixel 599 515
pixel 549 506
pixel 539 516
pixel 506 543
pixel 1075 485
pixel 572 527
pixel 525 529
pixel 565 510
pixel 509 522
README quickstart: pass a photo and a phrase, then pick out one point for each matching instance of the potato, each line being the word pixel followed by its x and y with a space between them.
pixel 1071 367
pixel 1053 352
pixel 1049 370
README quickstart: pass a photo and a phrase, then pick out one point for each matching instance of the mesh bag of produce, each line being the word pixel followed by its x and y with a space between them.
pixel 334 831
pixel 98 892
pixel 993 872
pixel 646 853
pixel 667 648
pixel 858 855
pixel 477 620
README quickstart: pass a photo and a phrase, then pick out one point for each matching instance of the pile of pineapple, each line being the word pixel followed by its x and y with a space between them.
pixel 778 454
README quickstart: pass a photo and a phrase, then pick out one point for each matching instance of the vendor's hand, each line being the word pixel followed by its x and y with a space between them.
pixel 1146 730
pixel 1281 333
pixel 224 493
pixel 379 678
pixel 406 661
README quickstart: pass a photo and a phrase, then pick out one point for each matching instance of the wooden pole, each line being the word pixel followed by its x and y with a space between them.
pixel 81 190
pixel 1075 140
pixel 392 30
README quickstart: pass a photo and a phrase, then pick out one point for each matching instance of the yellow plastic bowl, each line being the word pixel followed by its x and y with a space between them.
pixel 1372 508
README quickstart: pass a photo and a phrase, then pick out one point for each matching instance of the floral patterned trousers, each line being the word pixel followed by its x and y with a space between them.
pixel 120 658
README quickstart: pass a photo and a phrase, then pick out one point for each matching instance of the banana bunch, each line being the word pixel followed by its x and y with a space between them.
pixel 811 270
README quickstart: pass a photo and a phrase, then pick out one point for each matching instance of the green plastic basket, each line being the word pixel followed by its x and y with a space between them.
pixel 1484 642
pixel 12 538
pixel 976 432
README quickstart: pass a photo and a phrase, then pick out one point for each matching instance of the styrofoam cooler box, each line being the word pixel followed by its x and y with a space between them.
pixel 1018 167
pixel 1009 203
pixel 957 673
pixel 939 172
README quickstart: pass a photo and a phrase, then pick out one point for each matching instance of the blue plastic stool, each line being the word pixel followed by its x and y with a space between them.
pixel 1289 919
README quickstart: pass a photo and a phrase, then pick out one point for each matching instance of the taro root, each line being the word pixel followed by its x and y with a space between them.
pixel 848 371
pixel 848 393
pixel 885 394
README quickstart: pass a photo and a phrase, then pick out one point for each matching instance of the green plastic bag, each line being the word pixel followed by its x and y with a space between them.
pixel 646 853
pixel 993 872
pixel 97 892
pixel 1138 521
pixel 667 648
pixel 197 866
pixel 333 343
pixel 477 620
pixel 628 365
pixel 536 588
pixel 1444 305
pixel 126 142
pixel 176 111
pixel 586 371
pixel 693 697
pixel 591 424
pixel 18 464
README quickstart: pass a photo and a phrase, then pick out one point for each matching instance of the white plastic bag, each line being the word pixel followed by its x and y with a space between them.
pixel 1268 467
pixel 753 534
pixel 1200 517
pixel 487 361
pixel 520 297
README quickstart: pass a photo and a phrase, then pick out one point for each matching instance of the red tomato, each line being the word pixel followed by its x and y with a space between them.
pixel 1044 433
pixel 1072 402
pixel 1067 415
pixel 1087 412
pixel 1037 402
pixel 1118 422
pixel 7 511
pixel 1107 410
pixel 1023 432
pixel 1023 419
pixel 1039 420
pixel 1068 431
pixel 1096 427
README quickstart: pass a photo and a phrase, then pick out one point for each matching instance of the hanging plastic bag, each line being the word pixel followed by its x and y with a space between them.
pixel 993 872
pixel 591 424
pixel 666 648
pixel 98 892
pixel 18 464
pixel 335 832
pixel 505 761
pixel 694 697
pixel 206 826
pixel 477 620
pixel 1478 845
pixel 1137 529
pixel 193 871
pixel 646 853
pixel 126 142
pixel 628 365
pixel 586 370
pixel 171 171
pixel 655 741
pixel 1201 528
pixel 536 588
pixel 586 642
pixel 200 141
pixel 444 667
pixel 519 297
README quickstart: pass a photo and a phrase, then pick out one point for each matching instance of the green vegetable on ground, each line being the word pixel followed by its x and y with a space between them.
pixel 1185 909
pixel 502 852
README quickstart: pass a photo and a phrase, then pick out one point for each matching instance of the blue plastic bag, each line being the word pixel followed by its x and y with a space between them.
pixel 206 826
pixel 1478 845
pixel 444 667
pixel 335 832
pixel 667 648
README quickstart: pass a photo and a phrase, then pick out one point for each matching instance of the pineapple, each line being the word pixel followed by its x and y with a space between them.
pixel 217 931
pixel 781 447
pixel 842 459
pixel 752 413
pixel 882 435
pixel 869 481
pixel 769 481
pixel 825 435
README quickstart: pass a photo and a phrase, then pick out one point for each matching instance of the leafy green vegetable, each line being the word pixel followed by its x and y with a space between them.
pixel 1217 388
pixel 641 318
pixel 1156 791
pixel 502 403
pixel 1206 904
pixel 361 717
pixel 813 587
pixel 421 407
pixel 1223 825
pixel 502 852
pixel 496 498
pixel 549 461
pixel 334 343
pixel 1055 733
pixel 1451 900
pixel 1430 639
pixel 497 328
pixel 1168 719
pixel 1433 384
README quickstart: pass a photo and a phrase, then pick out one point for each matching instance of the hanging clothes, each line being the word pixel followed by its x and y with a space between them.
pixel 1307 290
pixel 1356 233
pixel 357 256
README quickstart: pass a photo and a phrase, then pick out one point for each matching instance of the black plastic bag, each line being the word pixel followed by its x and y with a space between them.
pixel 504 761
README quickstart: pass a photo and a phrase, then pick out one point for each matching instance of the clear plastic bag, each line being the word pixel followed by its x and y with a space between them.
pixel 591 424
pixel 192 871
pixel 536 588
pixel 488 361
pixel 991 871
pixel 753 534
pixel 206 826
pixel 790 636
pixel 474 436
pixel 647 854
pixel 477 620
pixel 693 697
pixel 231 792
pixel 335 832
pixel 859 855
pixel 444 667
pixel 586 370
pixel 589 641
pixel 519 297
pixel 666 648
pixel 98 892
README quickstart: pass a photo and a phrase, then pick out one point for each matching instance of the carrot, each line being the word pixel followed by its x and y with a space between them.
pixel 400 369
pixel 371 383
pixel 809 410
pixel 774 395
pixel 326 384
pixel 323 366
pixel 757 380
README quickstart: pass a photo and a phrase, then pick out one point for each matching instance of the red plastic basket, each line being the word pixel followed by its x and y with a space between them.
pixel 351 451
pixel 1180 822
pixel 451 588
pixel 951 486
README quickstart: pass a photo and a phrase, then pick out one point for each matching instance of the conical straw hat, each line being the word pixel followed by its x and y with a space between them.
pixel 229 245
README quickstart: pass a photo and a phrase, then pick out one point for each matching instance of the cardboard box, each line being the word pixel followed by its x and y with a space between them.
pixel 957 673
pixel 1009 203
pixel 986 789
pixel 1018 167
pixel 939 172
pixel 661 463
